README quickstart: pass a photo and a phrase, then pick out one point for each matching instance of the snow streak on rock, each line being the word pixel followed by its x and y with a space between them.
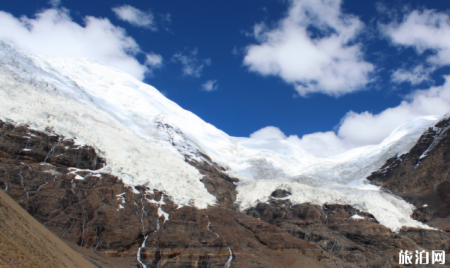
pixel 209 226
pixel 228 264
pixel 439 134
pixel 139 253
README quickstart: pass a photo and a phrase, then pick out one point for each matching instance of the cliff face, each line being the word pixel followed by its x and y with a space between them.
pixel 59 184
pixel 354 237
pixel 422 176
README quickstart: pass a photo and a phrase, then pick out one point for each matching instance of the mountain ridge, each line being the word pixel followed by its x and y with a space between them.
pixel 146 138
pixel 110 164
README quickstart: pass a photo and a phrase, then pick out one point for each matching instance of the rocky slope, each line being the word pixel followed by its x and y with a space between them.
pixel 352 236
pixel 139 225
pixel 59 183
pixel 422 176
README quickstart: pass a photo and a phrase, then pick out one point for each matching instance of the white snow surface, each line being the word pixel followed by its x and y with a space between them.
pixel 144 136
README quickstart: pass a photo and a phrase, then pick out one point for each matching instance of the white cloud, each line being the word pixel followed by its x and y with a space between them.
pixel 423 30
pixel 210 85
pixel 269 132
pixel 367 128
pixel 53 32
pixel 153 59
pixel 320 143
pixel 136 17
pixel 320 60
pixel 192 65
pixel 360 129
pixel 415 76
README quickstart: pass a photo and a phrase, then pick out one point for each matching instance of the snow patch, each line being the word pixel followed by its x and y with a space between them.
pixel 121 198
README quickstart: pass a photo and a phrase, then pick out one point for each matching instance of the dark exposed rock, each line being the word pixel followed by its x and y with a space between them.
pixel 360 241
pixel 98 212
pixel 217 182
pixel 280 193
pixel 35 146
pixel 443 191
pixel 422 176
pixel 87 212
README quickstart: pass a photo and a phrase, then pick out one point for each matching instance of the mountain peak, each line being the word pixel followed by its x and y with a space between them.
pixel 146 138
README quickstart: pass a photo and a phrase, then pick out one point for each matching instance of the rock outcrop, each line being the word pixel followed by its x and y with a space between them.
pixel 62 186
pixel 422 176
pixel 352 236
pixel 217 182
pixel 63 190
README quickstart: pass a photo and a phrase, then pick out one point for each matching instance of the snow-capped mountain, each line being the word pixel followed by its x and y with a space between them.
pixel 145 139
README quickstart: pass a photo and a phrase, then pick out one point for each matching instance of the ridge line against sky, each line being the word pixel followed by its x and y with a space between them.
pixel 357 72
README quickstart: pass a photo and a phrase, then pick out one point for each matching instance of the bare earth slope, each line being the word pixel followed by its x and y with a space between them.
pixel 24 242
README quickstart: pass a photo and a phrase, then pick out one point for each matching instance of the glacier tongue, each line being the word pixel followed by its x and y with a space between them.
pixel 144 138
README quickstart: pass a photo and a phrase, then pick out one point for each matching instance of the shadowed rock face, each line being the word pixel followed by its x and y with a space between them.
pixel 217 182
pixel 35 146
pixel 359 241
pixel 422 176
pixel 280 193
pixel 58 183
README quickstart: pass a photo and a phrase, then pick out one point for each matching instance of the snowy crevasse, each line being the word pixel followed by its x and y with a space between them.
pixel 144 137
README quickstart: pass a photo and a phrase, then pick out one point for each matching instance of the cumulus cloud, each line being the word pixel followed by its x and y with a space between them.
pixel 360 129
pixel 53 32
pixel 153 59
pixel 366 128
pixel 210 85
pixel 415 76
pixel 320 143
pixel 136 17
pixel 269 132
pixel 191 64
pixel 426 30
pixel 312 48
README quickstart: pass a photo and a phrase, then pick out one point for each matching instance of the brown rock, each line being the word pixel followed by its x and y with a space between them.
pixel 422 176
pixel 359 242
pixel 89 213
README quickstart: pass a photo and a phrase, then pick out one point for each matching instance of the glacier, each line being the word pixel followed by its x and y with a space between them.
pixel 145 137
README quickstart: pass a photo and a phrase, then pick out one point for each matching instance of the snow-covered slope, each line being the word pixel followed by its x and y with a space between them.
pixel 144 137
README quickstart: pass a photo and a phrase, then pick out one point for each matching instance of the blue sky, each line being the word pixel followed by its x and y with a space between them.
pixel 327 75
